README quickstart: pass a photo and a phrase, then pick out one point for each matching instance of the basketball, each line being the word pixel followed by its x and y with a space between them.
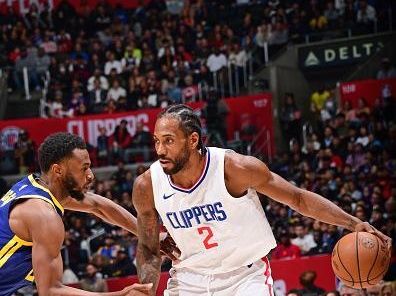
pixel 360 260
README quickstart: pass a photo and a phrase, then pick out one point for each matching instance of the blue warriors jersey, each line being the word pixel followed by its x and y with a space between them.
pixel 15 253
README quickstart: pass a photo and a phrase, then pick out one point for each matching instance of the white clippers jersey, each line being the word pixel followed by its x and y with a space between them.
pixel 215 232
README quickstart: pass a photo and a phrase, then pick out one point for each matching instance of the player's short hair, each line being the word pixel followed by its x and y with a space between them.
pixel 57 147
pixel 189 121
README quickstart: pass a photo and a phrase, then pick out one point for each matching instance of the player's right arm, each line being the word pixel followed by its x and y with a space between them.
pixel 47 234
pixel 148 250
pixel 249 172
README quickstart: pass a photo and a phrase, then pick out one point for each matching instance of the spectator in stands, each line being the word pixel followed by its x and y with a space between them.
pixel 248 131
pixel 25 153
pixel 330 238
pixel 43 63
pixel 112 63
pixel 190 91
pixel 122 265
pixel 366 13
pixel 49 45
pixel 111 107
pixel 104 84
pixel 331 14
pixel 305 241
pixel 102 147
pixel 285 249
pixel 279 35
pixel 216 61
pixel 28 61
pixel 387 70
pixel 329 109
pixel 328 137
pixel 110 248
pixel 318 99
pixel 215 112
pixel 141 144
pixel 121 140
pixel 97 97
pixel 116 92
pixel 318 21
pixel 307 281
pixel 64 42
pixel 93 281
pixel 319 249
pixel 78 52
pixel 263 35
pixel 290 117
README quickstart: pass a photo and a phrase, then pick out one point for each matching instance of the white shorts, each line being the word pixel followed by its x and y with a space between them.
pixel 252 280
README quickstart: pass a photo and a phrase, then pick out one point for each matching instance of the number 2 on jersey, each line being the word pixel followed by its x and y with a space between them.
pixel 209 235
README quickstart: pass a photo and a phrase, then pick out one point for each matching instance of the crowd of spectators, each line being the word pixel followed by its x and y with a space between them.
pixel 349 157
pixel 108 59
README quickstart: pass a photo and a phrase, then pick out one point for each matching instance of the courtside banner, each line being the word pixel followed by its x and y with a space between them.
pixel 370 90
pixel 284 272
pixel 255 109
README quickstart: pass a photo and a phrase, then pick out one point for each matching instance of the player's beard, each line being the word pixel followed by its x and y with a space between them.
pixel 179 162
pixel 71 186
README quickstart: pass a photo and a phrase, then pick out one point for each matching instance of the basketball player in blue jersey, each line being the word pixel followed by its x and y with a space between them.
pixel 31 227
pixel 206 198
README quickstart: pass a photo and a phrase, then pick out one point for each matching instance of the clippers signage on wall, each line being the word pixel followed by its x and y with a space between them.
pixel 339 53
pixel 257 107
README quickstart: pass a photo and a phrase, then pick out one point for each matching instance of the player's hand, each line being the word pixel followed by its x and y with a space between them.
pixel 365 226
pixel 168 247
pixel 137 290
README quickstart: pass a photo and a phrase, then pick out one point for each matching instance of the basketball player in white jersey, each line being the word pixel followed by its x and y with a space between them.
pixel 206 198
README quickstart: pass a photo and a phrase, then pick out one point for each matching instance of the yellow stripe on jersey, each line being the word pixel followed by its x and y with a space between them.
pixel 30 276
pixel 10 195
pixel 11 247
pixel 54 200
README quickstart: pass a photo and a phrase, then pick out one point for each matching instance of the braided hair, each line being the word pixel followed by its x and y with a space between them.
pixel 189 121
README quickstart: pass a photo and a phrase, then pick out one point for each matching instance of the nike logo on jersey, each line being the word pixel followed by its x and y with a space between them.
pixel 167 196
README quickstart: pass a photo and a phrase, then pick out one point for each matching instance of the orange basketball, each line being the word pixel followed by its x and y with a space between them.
pixel 360 259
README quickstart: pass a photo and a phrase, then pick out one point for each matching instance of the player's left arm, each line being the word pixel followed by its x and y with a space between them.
pixel 114 214
pixel 253 173
pixel 105 209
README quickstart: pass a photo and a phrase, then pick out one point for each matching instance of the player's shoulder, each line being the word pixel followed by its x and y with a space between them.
pixel 144 180
pixel 142 187
pixel 234 161
pixel 37 209
pixel 34 216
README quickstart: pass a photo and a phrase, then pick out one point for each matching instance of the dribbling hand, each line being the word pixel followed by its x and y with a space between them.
pixel 367 227
pixel 137 290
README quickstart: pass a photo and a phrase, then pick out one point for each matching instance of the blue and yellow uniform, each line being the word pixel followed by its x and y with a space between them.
pixel 15 253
